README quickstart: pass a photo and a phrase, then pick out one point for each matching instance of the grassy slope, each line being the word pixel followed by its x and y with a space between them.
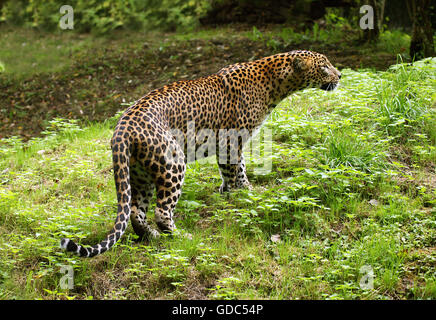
pixel 352 185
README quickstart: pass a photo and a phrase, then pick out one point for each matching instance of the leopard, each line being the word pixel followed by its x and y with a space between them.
pixel 154 137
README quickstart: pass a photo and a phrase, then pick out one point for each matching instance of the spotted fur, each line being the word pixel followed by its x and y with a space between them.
pixel 147 153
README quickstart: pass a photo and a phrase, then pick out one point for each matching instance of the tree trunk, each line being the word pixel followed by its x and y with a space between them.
pixel 371 35
pixel 421 44
pixel 381 15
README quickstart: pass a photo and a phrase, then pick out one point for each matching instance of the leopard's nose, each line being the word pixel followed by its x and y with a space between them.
pixel 340 75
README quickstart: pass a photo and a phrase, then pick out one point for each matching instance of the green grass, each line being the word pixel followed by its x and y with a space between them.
pixel 351 186
pixel 26 52
pixel 43 53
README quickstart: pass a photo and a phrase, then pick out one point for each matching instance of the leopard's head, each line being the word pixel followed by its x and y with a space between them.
pixel 315 70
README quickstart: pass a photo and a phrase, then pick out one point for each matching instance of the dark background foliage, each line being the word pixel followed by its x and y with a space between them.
pixel 104 15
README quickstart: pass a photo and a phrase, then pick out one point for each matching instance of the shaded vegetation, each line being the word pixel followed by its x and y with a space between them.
pixel 104 16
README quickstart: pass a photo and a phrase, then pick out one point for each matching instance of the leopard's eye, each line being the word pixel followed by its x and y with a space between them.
pixel 325 70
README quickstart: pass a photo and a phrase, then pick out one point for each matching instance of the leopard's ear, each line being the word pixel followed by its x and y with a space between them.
pixel 299 64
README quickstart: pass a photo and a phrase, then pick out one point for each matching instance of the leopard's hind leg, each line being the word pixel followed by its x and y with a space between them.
pixel 142 194
pixel 170 173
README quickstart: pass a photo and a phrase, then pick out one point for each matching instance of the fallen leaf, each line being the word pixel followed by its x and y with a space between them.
pixel 275 238
pixel 373 202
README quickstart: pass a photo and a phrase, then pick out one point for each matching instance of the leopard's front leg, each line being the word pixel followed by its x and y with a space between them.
pixel 234 176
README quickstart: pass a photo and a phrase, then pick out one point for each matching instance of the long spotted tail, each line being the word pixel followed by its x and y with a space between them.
pixel 121 160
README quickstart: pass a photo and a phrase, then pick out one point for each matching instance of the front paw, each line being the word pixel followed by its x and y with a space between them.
pixel 243 184
pixel 166 226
